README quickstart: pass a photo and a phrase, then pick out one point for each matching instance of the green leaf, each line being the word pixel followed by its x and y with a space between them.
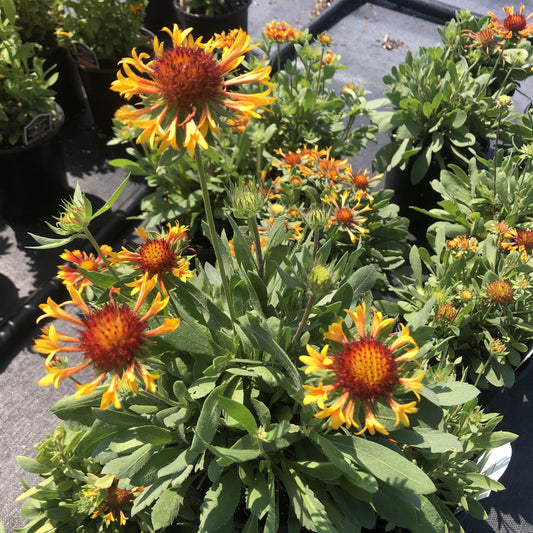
pixel 258 495
pixel 125 467
pixel 384 463
pixel 220 502
pixel 437 441
pixel 155 435
pixel 113 199
pixel 454 392
pixel 344 464
pixel 260 339
pixel 120 418
pixel 245 449
pixel 240 413
pixel 166 508
pixel 32 466
pixel 307 507
pixel 492 440
pixel 208 419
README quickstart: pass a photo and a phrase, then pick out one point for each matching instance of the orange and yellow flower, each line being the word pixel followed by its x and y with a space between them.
pixel 72 275
pixel 185 87
pixel 281 32
pixel 364 370
pixel 347 217
pixel 111 339
pixel 518 241
pixel 157 256
pixel 462 244
pixel 513 25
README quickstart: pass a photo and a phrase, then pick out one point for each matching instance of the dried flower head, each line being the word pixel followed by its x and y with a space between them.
pixel 500 292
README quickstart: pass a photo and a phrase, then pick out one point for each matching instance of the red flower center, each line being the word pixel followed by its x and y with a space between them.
pixel 157 257
pixel 515 22
pixel 112 336
pixel 367 369
pixel 525 238
pixel 117 498
pixel 360 181
pixel 344 215
pixel 187 76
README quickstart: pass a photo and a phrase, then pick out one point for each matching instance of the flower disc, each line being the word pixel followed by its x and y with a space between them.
pixel 187 76
pixel 112 336
pixel 367 369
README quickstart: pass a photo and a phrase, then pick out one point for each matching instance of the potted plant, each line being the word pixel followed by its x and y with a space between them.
pixel 445 108
pixel 99 33
pixel 37 21
pixel 208 17
pixel 30 124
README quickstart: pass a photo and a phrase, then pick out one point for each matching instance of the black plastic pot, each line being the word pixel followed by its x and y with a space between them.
pixel 206 26
pixel 407 196
pixel 69 88
pixel 160 14
pixel 34 178
pixel 103 102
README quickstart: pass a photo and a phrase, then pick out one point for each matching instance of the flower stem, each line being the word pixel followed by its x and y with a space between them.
pixel 93 242
pixel 252 221
pixel 302 323
pixel 212 231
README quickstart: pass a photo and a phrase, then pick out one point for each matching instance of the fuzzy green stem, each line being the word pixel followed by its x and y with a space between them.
pixel 212 231
pixel 302 323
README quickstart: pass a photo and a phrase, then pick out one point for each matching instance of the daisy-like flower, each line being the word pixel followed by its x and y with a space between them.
pixel 347 217
pixel 115 500
pixel 519 240
pixel 111 339
pixel 482 39
pixel 513 25
pixel 281 32
pixel 157 256
pixel 361 180
pixel 363 369
pixel 185 87
pixel 71 275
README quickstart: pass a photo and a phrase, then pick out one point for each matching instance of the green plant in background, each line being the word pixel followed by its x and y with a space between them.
pixel 441 114
pixel 37 21
pixel 445 98
pixel 480 298
pixel 109 28
pixel 25 87
pixel 210 7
